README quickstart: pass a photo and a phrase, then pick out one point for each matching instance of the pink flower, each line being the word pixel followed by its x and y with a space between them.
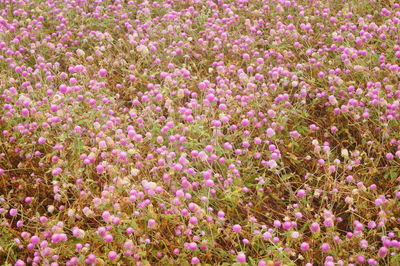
pixel 236 228
pixel 151 223
pixel 304 246
pixel 325 247
pixel 314 227
pixel 102 72
pixel 241 257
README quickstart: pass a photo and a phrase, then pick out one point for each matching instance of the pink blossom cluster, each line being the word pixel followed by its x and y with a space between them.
pixel 177 132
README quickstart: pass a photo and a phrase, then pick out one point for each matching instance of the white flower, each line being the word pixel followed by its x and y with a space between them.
pixel 135 172
pixel 345 153
pixel 142 49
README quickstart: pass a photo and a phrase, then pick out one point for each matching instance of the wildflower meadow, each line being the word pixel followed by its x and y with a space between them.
pixel 208 132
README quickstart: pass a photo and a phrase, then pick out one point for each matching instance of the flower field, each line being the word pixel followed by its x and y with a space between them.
pixel 209 132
